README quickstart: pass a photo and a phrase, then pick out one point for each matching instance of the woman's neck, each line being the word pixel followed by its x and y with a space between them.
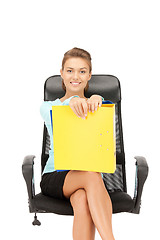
pixel 70 95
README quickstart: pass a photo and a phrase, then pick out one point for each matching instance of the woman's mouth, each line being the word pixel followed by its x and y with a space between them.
pixel 75 83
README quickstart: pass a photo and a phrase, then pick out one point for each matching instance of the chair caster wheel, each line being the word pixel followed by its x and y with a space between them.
pixel 36 221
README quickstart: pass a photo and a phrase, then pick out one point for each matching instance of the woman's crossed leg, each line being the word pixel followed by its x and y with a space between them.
pixel 83 225
pixel 96 201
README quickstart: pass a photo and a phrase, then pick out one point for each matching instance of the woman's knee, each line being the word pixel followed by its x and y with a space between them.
pixel 79 201
pixel 80 180
pixel 94 174
pixel 93 178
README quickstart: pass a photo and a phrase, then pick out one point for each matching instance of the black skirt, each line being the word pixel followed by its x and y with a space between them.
pixel 52 184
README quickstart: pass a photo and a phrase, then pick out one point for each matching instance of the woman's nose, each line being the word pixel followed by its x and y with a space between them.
pixel 75 75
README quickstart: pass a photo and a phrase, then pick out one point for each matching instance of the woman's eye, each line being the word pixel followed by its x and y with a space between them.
pixel 82 71
pixel 69 70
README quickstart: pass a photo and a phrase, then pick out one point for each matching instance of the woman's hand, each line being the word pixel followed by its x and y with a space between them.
pixel 94 102
pixel 80 106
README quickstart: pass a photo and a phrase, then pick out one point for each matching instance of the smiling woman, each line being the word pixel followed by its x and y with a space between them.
pixel 85 68
pixel 75 74
pixel 79 187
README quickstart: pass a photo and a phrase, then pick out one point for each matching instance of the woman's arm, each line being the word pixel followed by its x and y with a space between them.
pixel 46 106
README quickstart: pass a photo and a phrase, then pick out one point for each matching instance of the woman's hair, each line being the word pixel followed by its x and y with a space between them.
pixel 77 52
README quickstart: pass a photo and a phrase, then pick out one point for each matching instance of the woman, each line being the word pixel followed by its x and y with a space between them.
pixel 85 190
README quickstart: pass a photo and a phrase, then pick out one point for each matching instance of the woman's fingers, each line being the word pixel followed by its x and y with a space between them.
pixel 81 107
pixel 93 106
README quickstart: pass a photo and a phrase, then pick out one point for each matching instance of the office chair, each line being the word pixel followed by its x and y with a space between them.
pixel 107 86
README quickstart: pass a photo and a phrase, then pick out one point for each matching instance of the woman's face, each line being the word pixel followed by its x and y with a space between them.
pixel 75 74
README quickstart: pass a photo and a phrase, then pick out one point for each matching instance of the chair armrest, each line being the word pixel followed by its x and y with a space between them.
pixel 28 174
pixel 140 178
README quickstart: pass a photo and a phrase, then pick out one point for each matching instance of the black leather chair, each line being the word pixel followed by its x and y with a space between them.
pixel 107 86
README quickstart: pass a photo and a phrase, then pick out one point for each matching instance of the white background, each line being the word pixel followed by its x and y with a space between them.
pixel 123 39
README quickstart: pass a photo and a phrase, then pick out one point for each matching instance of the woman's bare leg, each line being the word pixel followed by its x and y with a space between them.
pixel 83 225
pixel 99 202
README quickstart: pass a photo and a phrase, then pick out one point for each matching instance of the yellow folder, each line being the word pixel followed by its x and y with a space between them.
pixel 84 144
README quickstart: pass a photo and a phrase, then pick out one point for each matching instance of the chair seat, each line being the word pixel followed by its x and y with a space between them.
pixel 44 203
pixel 121 202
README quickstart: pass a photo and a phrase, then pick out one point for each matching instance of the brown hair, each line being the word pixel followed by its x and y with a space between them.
pixel 77 52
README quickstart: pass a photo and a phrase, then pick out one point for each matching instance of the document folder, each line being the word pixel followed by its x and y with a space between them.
pixel 84 144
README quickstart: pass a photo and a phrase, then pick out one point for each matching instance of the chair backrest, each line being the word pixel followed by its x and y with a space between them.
pixel 107 86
